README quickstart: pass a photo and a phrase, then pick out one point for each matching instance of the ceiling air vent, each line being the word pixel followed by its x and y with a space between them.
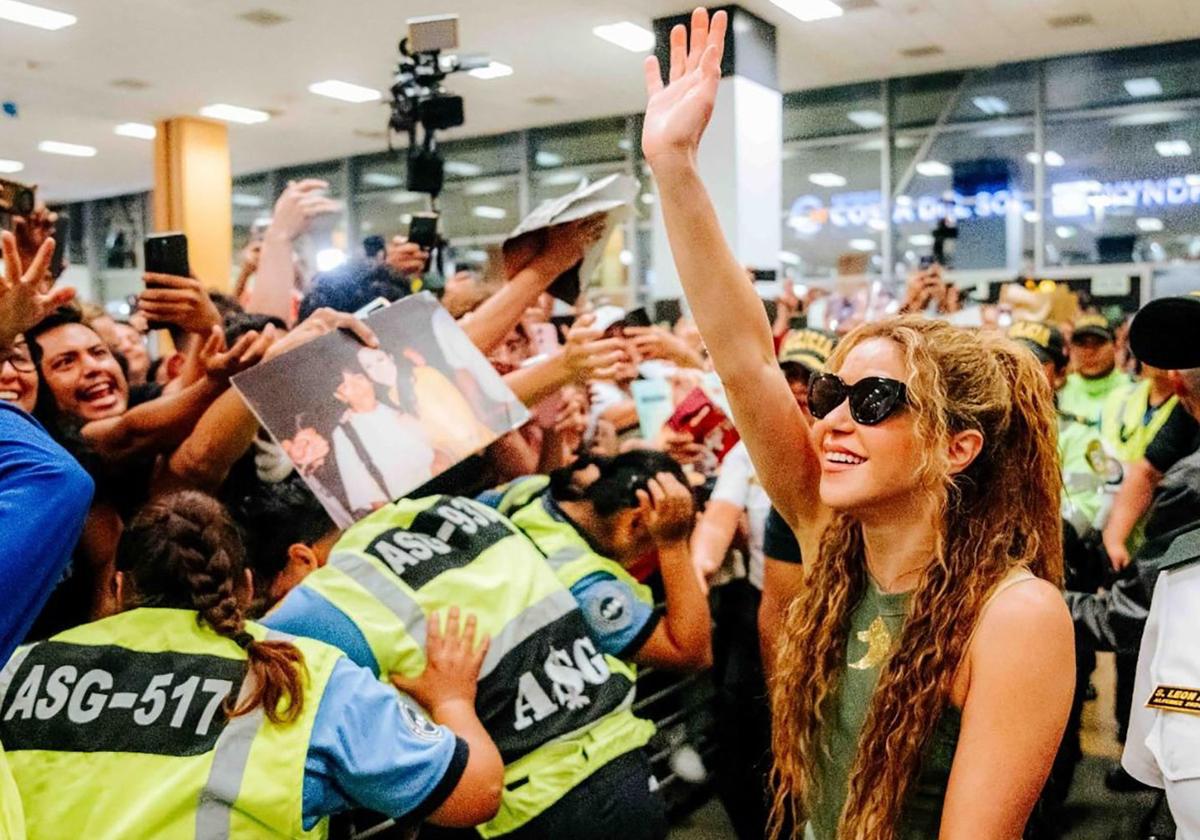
pixel 542 100
pixel 129 84
pixel 263 17
pixel 1071 21
pixel 922 52
pixel 858 5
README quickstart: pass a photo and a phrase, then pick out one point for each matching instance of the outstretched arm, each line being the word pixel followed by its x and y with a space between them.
pixel 727 309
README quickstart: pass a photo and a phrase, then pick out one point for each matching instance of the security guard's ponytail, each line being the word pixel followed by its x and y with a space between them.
pixel 184 552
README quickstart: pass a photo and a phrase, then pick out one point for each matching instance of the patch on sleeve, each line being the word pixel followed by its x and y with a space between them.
pixel 609 606
pixel 1171 698
pixel 419 724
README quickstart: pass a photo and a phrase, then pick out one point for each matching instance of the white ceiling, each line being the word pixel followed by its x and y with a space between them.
pixel 199 52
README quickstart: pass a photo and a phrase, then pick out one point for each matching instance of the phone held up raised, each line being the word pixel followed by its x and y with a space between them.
pixel 167 253
pixel 423 230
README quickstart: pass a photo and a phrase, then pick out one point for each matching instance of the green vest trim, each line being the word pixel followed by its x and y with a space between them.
pixel 1123 421
pixel 137 697
pixel 555 707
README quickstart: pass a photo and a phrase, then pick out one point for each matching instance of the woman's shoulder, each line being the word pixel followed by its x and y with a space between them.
pixel 1025 611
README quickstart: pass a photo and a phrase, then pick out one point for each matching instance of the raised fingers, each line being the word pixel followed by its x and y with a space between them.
pixel 699 39
pixel 12 260
pixel 678 52
pixel 41 263
pixel 654 82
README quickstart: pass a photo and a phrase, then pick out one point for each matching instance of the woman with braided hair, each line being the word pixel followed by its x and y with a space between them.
pixel 177 717
pixel 925 670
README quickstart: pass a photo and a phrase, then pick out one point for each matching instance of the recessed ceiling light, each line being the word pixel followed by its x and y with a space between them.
pixel 31 15
pixel 1148 86
pixel 625 144
pixel 548 159
pixel 140 131
pixel 627 35
pixel 626 258
pixel 385 180
pixel 1031 216
pixel 234 113
pixel 920 240
pixel 405 218
pixel 493 70
pixel 648 198
pixel 1051 158
pixel 1150 224
pixel 1192 180
pixel 1149 118
pixel 69 149
pixel 1004 130
pixel 463 169
pixel 809 10
pixel 866 119
pixel 827 179
pixel 991 105
pixel 863 244
pixel 1064 231
pixel 8 167
pixel 904 201
pixel 483 211
pixel 789 258
pixel 345 91
pixel 1173 148
pixel 488 187
pixel 563 178
pixel 877 224
pixel 933 169
pixel 246 200
pixel 405 197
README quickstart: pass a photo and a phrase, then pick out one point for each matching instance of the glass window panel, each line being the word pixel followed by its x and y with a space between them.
pixel 982 181
pixel 997 92
pixel 252 203
pixel 831 112
pixel 1124 77
pixel 919 100
pixel 1125 192
pixel 579 144
pixel 831 213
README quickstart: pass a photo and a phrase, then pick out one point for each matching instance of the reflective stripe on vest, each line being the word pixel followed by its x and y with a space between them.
pixel 547 697
pixel 116 729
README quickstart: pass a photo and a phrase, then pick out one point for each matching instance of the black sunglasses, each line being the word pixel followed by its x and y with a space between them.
pixel 872 400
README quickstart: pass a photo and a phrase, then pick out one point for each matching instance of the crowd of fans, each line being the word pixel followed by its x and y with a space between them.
pixel 892 656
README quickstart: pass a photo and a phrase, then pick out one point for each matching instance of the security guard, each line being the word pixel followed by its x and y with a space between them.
pixel 1090 474
pixel 1163 745
pixel 179 719
pixel 558 710
pixel 1134 414
pixel 597 519
pixel 1096 376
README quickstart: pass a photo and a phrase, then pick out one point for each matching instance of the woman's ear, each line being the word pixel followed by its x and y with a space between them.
pixel 964 448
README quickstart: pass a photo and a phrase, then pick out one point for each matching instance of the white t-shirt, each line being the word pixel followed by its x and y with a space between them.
pixel 738 485
pixel 398 448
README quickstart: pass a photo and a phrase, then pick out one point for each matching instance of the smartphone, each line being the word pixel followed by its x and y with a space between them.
pixel 927 261
pixel 167 253
pixel 422 230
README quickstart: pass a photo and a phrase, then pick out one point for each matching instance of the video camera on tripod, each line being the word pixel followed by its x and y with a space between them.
pixel 419 101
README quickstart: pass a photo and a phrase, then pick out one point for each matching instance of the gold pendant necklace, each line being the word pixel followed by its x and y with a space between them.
pixel 879 645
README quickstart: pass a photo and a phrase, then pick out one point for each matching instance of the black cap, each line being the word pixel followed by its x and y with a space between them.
pixel 1045 340
pixel 1096 325
pixel 1164 333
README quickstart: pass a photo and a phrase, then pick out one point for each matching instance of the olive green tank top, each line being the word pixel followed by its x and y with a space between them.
pixel 875 624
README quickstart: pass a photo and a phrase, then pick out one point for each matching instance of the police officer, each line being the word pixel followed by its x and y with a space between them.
pixel 1096 376
pixel 557 708
pixel 1163 745
pixel 178 718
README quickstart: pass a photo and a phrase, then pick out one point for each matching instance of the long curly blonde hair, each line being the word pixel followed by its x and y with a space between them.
pixel 1000 513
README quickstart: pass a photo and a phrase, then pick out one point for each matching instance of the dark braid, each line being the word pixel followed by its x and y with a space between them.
pixel 183 551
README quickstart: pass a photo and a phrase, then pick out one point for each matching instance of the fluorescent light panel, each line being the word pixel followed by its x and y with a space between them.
pixel 1051 158
pixel 1148 86
pixel 920 240
pixel 31 15
pixel 463 169
pixel 345 91
pixel 827 179
pixel 789 258
pixel 1150 224
pixel 548 159
pixel 8 167
pixel 1173 148
pixel 234 113
pixel 1149 118
pixel 866 119
pixel 382 179
pixel 483 211
pixel 246 200
pixel 627 35
pixel 933 169
pixel 863 244
pixel 494 70
pixel 54 147
pixel 991 105
pixel 810 10
pixel 1064 231
pixel 139 131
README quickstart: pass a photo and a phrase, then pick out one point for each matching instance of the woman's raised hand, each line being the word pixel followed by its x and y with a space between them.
pixel 678 113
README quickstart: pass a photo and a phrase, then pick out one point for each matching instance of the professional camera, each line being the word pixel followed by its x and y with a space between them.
pixel 420 102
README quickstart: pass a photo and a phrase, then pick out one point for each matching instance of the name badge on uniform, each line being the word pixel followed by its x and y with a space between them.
pixel 1170 698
